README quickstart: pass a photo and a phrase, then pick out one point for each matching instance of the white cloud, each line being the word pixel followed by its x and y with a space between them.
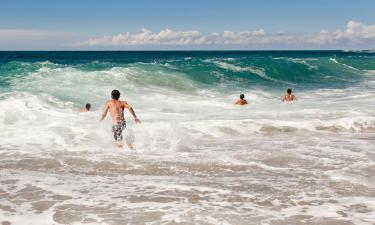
pixel 170 37
pixel 355 32
pixel 146 37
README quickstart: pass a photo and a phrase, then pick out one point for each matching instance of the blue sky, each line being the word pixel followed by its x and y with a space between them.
pixel 115 24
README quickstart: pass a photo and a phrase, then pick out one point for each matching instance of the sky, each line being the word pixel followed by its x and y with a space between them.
pixel 186 24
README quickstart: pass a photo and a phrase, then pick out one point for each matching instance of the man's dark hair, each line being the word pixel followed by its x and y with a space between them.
pixel 115 94
pixel 289 91
pixel 242 96
pixel 88 106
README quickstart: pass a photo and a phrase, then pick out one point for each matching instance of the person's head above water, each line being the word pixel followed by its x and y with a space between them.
pixel 115 94
pixel 289 91
pixel 241 101
pixel 88 106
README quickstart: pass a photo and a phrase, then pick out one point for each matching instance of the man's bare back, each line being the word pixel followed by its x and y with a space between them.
pixel 116 110
pixel 241 101
pixel 289 97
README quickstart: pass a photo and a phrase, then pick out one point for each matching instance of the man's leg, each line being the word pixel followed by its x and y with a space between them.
pixel 117 135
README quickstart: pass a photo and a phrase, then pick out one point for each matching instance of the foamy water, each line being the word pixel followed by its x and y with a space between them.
pixel 199 159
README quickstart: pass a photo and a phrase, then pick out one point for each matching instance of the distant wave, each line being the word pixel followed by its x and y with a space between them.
pixel 360 51
pixel 342 64
pixel 307 70
pixel 300 61
pixel 251 69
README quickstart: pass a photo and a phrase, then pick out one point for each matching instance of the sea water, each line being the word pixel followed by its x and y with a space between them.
pixel 199 158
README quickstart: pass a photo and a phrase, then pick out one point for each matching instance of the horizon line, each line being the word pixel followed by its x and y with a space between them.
pixel 187 50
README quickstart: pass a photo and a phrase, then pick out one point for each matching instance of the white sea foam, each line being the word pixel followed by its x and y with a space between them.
pixel 251 69
pixel 259 71
pixel 342 64
pixel 303 61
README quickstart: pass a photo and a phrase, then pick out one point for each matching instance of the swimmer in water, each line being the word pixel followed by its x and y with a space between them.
pixel 289 97
pixel 241 101
pixel 86 109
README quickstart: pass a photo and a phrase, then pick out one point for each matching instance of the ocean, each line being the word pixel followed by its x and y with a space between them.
pixel 199 158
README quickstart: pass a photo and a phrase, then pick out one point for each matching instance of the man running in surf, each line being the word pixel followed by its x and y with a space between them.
pixel 116 110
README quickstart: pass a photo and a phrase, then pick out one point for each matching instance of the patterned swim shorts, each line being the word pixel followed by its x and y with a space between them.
pixel 117 130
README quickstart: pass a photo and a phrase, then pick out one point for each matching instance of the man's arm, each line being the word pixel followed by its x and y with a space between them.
pixel 131 110
pixel 106 107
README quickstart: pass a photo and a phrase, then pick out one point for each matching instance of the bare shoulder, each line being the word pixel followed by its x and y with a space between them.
pixel 125 104
pixel 109 104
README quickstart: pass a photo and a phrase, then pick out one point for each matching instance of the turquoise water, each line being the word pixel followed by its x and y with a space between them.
pixel 199 158
pixel 188 71
pixel 303 69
